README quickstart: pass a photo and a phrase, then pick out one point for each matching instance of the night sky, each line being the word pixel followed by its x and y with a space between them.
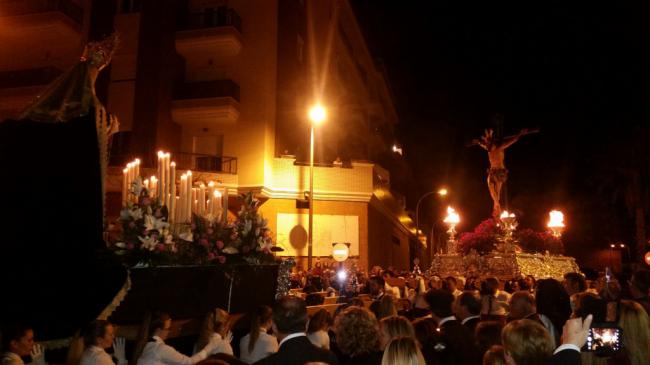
pixel 580 74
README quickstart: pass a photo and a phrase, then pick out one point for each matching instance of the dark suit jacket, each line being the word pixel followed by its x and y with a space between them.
pixel 471 324
pixel 456 345
pixel 566 357
pixel 298 351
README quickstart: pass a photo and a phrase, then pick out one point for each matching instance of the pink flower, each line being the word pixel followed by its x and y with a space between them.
pixel 160 247
pixel 222 259
pixel 211 256
pixel 204 242
pixel 220 245
pixel 210 231
pixel 130 246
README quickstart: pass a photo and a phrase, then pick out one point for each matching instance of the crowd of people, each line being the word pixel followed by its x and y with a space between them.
pixel 429 320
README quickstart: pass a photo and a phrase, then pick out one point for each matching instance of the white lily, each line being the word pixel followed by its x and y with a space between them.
pixel 151 223
pixel 136 186
pixel 186 236
pixel 148 243
pixel 230 250
pixel 136 213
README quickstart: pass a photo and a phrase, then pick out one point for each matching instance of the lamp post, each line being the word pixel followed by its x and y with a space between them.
pixel 442 193
pixel 317 115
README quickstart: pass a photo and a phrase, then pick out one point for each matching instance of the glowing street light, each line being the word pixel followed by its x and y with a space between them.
pixel 317 115
pixel 556 223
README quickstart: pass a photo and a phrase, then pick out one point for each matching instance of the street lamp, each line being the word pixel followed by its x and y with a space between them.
pixel 317 115
pixel 442 193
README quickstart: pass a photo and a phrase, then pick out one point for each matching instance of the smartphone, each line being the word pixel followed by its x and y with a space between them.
pixel 604 339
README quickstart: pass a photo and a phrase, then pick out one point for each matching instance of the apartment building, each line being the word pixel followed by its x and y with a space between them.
pixel 225 87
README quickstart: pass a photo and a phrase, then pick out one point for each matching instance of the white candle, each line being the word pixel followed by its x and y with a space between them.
pixel 188 200
pixel 177 216
pixel 195 200
pixel 216 203
pixel 125 172
pixel 137 167
pixel 224 207
pixel 201 199
pixel 161 177
pixel 129 181
pixel 153 184
pixel 182 201
pixel 172 180
pixel 167 177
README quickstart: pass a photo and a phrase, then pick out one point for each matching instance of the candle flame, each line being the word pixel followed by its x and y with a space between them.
pixel 188 173
pixel 172 164
pixel 126 171
pixel 556 219
pixel 506 214
pixel 167 155
pixel 161 154
pixel 136 161
pixel 211 184
pixel 452 216
pixel 217 194
pixel 129 165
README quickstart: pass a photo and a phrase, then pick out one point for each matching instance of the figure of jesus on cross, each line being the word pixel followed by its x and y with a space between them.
pixel 497 173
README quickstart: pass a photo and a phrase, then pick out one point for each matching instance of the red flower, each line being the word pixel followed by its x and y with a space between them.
pixel 211 256
pixel 222 259
pixel 220 245
pixel 204 242
pixel 160 247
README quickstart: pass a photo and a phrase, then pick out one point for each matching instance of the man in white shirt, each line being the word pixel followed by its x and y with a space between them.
pixel 156 352
pixel 18 341
pixel 99 336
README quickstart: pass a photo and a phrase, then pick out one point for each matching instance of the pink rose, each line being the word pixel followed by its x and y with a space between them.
pixel 211 256
pixel 220 245
pixel 204 242
pixel 160 247
pixel 222 259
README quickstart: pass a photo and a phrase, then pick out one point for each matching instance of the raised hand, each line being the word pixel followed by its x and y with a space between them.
pixel 576 330
pixel 119 346
pixel 37 354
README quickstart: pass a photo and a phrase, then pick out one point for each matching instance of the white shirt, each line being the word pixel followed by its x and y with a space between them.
pixel 95 355
pixel 549 326
pixel 499 303
pixel 159 353
pixel 293 335
pixel 320 339
pixel 264 346
pixel 468 318
pixel 393 290
pixel 446 319
pixel 9 358
pixel 222 347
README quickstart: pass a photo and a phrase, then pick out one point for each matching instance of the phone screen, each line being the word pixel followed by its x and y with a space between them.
pixel 604 339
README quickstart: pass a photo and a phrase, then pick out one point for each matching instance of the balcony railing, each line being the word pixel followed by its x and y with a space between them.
pixel 67 7
pixel 28 77
pixel 206 89
pixel 205 163
pixel 222 16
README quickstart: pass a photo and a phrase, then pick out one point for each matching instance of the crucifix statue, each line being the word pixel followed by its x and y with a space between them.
pixel 497 173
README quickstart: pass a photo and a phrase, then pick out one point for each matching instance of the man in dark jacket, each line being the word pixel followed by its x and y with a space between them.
pixel 290 323
pixel 467 309
pixel 455 343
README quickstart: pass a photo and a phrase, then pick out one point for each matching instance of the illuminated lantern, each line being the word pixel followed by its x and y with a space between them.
pixel 340 252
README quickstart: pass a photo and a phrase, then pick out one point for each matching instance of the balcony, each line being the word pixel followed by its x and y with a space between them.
pixel 206 163
pixel 64 14
pixel 206 102
pixel 211 33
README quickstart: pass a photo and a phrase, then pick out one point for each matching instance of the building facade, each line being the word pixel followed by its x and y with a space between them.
pixel 225 86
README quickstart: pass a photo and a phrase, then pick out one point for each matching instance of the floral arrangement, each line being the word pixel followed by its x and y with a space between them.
pixel 483 239
pixel 488 234
pixel 532 241
pixel 148 239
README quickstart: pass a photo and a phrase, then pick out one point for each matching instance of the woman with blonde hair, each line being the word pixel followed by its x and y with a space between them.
pixel 393 327
pixel 635 323
pixel 402 351
pixel 216 329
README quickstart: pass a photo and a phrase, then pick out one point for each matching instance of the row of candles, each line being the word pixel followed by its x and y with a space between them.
pixel 204 200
